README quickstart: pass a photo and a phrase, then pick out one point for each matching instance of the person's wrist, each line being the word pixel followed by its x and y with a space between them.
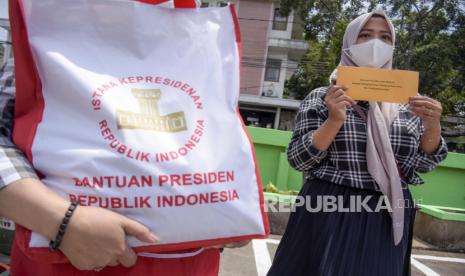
pixel 55 211
pixel 56 242
pixel 335 122
pixel 433 128
pixel 50 226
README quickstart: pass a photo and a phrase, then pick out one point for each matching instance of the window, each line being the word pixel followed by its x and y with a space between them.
pixel 279 22
pixel 273 68
pixel 222 4
pixel 257 116
pixel 204 5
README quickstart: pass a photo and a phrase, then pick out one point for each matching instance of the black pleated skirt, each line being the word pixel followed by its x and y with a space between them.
pixel 343 243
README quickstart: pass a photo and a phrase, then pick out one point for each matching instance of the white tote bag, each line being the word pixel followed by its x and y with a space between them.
pixel 133 107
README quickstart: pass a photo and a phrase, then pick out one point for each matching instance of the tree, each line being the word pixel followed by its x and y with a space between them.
pixel 322 16
pixel 318 63
pixel 427 42
pixel 312 71
pixel 430 39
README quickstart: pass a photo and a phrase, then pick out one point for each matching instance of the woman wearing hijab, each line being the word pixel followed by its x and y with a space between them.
pixel 360 154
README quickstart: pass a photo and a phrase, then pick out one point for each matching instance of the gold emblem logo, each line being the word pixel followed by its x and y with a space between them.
pixel 149 117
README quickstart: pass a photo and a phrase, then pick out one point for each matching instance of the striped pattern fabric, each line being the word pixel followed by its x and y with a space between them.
pixel 345 160
pixel 13 164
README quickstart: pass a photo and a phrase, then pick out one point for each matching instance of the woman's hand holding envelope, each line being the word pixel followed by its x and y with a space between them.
pixel 337 102
pixel 428 109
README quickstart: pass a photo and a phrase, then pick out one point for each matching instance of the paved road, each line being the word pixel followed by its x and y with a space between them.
pixel 255 259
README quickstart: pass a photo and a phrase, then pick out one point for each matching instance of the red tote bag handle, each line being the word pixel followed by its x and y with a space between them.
pixel 185 4
pixel 177 3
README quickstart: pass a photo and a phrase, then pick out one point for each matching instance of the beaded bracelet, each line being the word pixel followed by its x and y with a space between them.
pixel 61 231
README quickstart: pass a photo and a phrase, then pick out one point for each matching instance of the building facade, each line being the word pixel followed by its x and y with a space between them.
pixel 272 46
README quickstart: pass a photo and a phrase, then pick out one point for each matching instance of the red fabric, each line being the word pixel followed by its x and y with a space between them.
pixel 204 264
pixel 177 3
pixel 29 103
pixel 44 255
pixel 184 4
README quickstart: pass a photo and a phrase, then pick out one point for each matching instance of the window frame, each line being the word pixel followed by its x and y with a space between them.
pixel 279 22
pixel 270 66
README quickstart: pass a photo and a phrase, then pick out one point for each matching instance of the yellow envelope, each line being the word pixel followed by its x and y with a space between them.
pixel 378 85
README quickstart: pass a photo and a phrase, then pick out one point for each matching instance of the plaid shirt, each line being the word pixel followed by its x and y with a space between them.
pixel 344 162
pixel 13 165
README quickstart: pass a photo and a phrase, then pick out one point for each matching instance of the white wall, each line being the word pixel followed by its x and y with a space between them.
pixel 278 87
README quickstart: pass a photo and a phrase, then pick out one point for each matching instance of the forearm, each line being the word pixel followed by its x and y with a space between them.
pixel 325 134
pixel 430 140
pixel 31 204
pixel 430 111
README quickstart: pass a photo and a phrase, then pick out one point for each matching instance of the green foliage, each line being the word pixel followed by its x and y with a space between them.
pixel 322 16
pixel 310 74
pixel 430 39
pixel 318 63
